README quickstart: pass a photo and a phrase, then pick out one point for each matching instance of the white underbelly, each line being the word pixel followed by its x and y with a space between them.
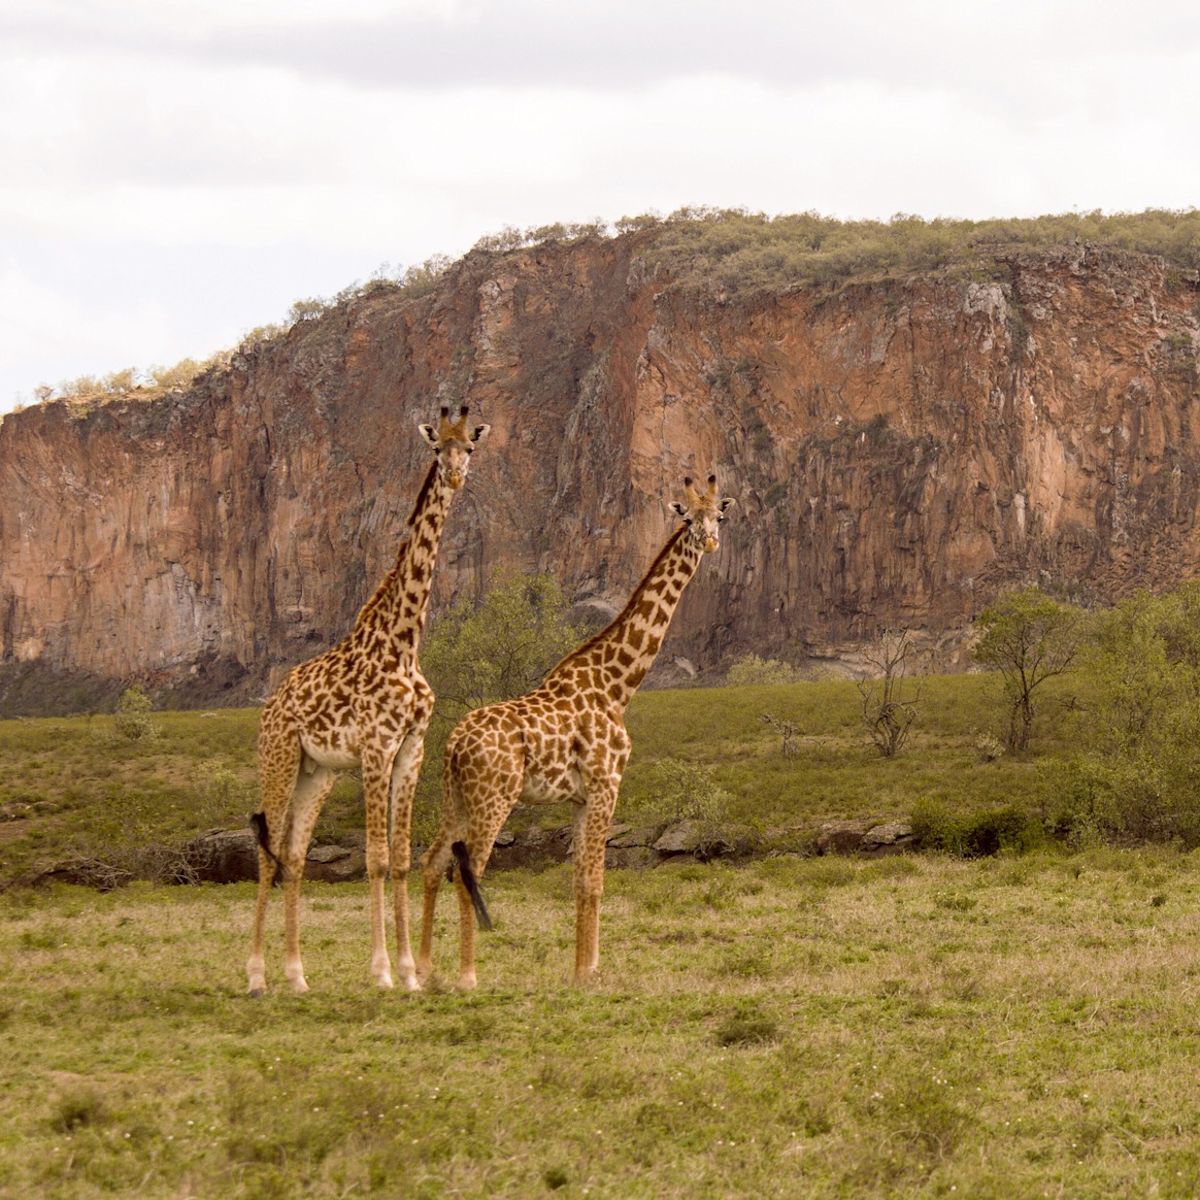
pixel 540 790
pixel 340 758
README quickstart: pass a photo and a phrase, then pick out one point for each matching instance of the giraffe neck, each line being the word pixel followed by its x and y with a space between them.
pixel 617 658
pixel 394 617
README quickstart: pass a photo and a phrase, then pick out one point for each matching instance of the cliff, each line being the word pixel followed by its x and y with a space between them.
pixel 901 449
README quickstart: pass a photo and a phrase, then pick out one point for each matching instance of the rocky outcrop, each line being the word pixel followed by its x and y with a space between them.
pixel 900 450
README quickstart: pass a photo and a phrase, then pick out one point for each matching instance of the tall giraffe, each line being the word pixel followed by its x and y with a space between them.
pixel 364 703
pixel 565 740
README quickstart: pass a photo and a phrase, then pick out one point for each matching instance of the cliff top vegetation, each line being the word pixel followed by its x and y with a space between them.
pixel 726 252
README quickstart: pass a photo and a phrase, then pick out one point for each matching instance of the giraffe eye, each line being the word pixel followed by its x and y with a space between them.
pixel 470 449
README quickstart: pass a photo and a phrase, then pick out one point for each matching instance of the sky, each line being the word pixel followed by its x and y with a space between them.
pixel 174 173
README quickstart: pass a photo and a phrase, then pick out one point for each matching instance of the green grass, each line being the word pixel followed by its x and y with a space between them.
pixel 793 1027
pixel 73 787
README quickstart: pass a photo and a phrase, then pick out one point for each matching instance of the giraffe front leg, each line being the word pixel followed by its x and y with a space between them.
pixel 404 783
pixel 376 777
pixel 591 836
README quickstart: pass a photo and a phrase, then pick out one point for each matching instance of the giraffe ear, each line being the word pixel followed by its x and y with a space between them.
pixel 678 508
pixel 481 432
pixel 429 434
pixel 725 502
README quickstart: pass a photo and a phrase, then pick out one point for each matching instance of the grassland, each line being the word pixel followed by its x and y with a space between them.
pixel 793 1027
pixel 74 787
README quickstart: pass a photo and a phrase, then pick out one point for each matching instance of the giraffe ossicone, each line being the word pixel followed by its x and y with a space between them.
pixel 362 703
pixel 564 741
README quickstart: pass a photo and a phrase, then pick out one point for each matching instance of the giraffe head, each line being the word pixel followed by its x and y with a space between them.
pixel 454 442
pixel 702 512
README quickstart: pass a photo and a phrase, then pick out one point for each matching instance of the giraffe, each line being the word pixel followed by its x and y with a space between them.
pixel 364 702
pixel 565 740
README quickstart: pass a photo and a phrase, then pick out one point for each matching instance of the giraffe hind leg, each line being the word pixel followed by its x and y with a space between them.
pixel 435 862
pixel 459 850
pixel 279 768
pixel 486 809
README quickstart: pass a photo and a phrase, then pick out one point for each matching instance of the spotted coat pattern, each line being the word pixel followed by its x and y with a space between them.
pixel 364 703
pixel 564 741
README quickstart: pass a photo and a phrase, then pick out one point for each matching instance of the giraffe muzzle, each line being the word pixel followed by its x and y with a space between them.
pixel 455 479
pixel 710 544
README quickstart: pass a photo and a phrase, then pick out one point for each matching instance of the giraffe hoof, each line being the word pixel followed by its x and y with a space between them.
pixel 299 986
pixel 384 981
pixel 257 993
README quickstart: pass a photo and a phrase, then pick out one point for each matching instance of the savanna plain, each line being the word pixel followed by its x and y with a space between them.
pixel 1014 1024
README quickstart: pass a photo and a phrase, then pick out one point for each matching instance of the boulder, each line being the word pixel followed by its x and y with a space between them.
pixel 623 837
pixel 698 838
pixel 231 856
pixel 842 837
pixel 891 837
pixel 630 857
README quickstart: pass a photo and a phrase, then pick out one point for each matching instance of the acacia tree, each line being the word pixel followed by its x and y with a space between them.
pixel 1028 638
pixel 500 648
pixel 479 652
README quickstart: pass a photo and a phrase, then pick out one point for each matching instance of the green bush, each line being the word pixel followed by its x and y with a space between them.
pixel 750 671
pixel 132 719
pixel 1139 731
pixel 680 791
pixel 734 250
pixel 975 835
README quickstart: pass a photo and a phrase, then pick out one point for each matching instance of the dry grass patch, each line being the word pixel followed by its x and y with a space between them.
pixel 795 1027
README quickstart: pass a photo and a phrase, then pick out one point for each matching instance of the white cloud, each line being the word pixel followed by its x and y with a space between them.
pixel 175 173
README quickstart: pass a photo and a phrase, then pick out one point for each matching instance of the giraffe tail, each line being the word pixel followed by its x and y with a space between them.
pixel 459 850
pixel 258 821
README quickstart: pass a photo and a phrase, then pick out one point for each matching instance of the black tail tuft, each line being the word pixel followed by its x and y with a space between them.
pixel 258 821
pixel 459 850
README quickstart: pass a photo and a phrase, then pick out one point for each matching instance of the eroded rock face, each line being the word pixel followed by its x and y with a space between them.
pixel 900 451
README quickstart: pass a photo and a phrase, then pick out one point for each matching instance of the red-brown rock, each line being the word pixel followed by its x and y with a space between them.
pixel 900 451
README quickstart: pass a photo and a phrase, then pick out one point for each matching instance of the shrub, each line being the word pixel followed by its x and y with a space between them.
pixel 750 671
pixel 1139 731
pixel 975 835
pixel 132 720
pixel 988 747
pixel 682 791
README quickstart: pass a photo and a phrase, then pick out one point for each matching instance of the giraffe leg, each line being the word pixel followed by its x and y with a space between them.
pixel 313 784
pixel 486 808
pixel 591 834
pixel 279 757
pixel 377 786
pixel 433 866
pixel 404 783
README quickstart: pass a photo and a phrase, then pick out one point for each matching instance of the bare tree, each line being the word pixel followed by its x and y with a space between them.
pixel 888 714
pixel 788 730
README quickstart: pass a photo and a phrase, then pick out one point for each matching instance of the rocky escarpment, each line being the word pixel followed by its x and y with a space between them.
pixel 901 450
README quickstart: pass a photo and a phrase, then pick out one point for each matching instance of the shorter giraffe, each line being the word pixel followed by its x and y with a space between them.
pixel 363 703
pixel 566 740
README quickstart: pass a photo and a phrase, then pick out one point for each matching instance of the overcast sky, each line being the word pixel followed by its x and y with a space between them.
pixel 175 172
